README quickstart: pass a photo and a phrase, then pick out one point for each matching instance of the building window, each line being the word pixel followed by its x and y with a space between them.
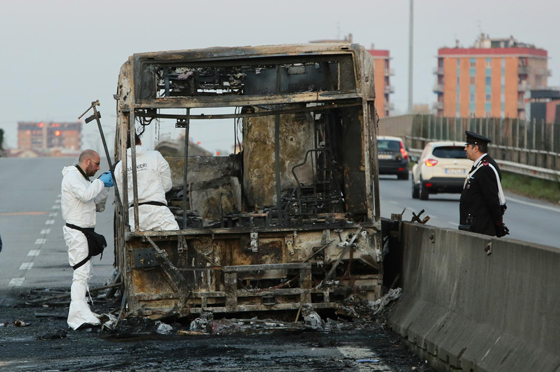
pixel 488 98
pixel 472 80
pixel 458 80
pixel 488 63
pixel 473 62
pixel 458 62
pixel 488 114
pixel 471 98
pixel 488 80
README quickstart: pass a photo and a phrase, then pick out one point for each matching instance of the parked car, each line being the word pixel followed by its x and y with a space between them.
pixel 441 168
pixel 392 156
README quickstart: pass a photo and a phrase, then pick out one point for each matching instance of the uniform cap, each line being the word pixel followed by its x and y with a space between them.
pixel 475 139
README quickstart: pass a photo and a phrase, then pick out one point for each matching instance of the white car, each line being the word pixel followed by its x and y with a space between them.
pixel 442 168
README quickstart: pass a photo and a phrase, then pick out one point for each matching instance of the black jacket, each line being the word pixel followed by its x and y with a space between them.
pixel 480 200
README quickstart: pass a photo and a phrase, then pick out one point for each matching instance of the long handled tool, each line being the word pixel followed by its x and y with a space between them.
pixel 97 115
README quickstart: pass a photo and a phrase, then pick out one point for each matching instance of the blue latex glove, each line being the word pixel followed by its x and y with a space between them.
pixel 107 179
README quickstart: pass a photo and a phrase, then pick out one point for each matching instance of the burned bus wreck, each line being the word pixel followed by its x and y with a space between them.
pixel 292 217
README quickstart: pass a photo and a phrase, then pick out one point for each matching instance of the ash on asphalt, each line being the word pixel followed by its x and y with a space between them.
pixel 43 342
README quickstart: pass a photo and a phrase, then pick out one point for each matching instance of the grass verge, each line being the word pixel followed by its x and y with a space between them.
pixel 531 187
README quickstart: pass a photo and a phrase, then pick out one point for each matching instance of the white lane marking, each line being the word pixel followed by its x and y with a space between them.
pixel 26 266
pixel 45 231
pixel 16 282
pixel 33 253
pixel 393 202
pixel 358 353
pixel 59 196
pixel 40 241
pixel 49 222
pixel 57 201
pixel 56 207
pixel 53 214
pixel 534 205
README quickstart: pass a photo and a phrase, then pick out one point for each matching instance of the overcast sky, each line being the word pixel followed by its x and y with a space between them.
pixel 59 55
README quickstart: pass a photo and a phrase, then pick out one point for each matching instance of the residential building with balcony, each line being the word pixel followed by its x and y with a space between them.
pixel 490 79
pixel 50 138
pixel 383 88
pixel 382 71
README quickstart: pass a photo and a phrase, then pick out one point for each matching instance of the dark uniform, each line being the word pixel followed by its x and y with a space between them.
pixel 480 203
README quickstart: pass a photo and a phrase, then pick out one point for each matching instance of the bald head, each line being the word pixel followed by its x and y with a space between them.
pixel 87 154
pixel 89 162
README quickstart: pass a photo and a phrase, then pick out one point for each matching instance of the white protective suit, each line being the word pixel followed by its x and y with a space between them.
pixel 154 180
pixel 79 199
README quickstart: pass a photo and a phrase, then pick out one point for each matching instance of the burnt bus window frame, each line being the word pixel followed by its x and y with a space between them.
pixel 146 69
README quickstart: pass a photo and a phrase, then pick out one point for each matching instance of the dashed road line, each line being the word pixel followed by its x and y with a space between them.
pixel 45 231
pixel 16 282
pixel 33 253
pixel 26 266
pixel 53 214
pixel 22 213
pixel 40 241
pixel 56 207
pixel 49 222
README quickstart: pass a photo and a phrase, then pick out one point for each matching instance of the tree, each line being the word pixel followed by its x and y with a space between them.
pixel 1 139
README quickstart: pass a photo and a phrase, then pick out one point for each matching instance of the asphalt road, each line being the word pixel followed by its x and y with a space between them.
pixel 34 254
pixel 527 219
pixel 35 257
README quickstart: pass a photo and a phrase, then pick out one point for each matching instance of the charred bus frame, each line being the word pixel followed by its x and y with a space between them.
pixel 293 218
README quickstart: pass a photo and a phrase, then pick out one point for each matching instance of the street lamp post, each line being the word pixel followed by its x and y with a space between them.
pixel 410 57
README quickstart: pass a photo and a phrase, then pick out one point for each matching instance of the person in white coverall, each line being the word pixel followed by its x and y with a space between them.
pixel 154 180
pixel 79 199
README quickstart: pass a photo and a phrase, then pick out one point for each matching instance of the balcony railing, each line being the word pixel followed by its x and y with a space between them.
pixel 523 86
pixel 438 106
pixel 520 105
pixel 438 70
pixel 389 89
pixel 543 72
pixel 438 88
pixel 523 70
pixel 389 72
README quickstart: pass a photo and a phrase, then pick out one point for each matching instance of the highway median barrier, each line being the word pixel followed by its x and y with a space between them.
pixel 476 303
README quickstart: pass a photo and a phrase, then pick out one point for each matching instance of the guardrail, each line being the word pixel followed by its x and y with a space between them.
pixel 529 148
pixel 509 166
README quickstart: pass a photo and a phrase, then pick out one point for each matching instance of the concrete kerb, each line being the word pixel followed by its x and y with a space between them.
pixel 479 312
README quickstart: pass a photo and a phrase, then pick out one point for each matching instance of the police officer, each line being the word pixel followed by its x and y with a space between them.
pixel 482 204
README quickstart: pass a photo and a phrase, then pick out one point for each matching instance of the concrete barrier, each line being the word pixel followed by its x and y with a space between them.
pixel 467 310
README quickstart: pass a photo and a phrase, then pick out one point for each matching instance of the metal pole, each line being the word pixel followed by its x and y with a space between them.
pixel 410 57
pixel 277 150
pixel 185 168
pixel 97 116
pixel 132 138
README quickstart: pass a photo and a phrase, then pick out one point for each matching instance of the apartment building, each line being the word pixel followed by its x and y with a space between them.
pixel 383 73
pixel 383 88
pixel 45 137
pixel 490 79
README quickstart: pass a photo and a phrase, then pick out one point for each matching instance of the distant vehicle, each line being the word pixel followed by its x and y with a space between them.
pixel 392 156
pixel 441 168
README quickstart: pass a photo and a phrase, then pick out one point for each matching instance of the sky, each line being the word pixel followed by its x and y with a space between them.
pixel 57 56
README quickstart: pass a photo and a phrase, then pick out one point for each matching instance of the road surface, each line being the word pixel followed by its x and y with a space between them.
pixel 34 256
pixel 527 219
